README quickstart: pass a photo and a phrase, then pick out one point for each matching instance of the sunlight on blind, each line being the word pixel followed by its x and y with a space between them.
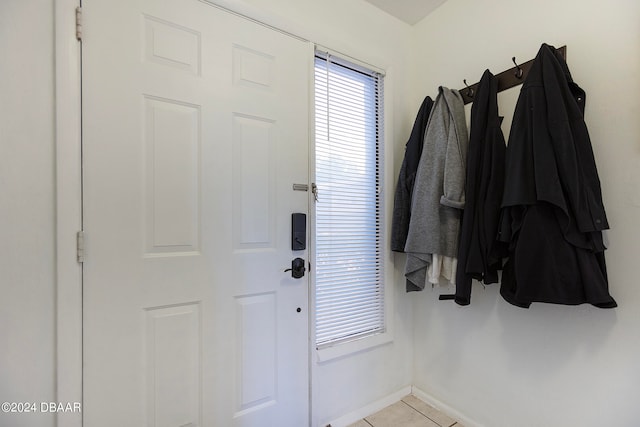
pixel 349 276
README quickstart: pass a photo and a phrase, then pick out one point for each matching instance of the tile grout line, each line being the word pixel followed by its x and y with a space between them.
pixel 426 416
pixel 455 422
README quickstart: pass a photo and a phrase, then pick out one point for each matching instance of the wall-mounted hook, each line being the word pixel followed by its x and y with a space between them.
pixel 518 73
pixel 469 90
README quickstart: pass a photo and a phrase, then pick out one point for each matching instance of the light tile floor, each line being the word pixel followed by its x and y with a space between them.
pixel 408 412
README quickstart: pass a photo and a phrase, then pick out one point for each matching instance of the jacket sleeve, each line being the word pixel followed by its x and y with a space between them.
pixel 454 171
pixel 401 212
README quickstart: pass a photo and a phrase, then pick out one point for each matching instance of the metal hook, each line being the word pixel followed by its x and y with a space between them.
pixel 469 90
pixel 518 73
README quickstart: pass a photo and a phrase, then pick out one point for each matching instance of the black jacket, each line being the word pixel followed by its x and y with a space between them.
pixel 479 252
pixel 552 209
pixel 406 179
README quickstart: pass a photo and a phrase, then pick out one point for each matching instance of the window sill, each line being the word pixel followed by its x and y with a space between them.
pixel 348 348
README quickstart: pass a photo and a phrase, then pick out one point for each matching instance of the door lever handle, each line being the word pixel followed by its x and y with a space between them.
pixel 297 268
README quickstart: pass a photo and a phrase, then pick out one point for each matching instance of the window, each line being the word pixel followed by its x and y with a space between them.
pixel 349 293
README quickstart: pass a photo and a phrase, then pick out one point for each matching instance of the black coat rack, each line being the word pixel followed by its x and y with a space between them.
pixel 506 79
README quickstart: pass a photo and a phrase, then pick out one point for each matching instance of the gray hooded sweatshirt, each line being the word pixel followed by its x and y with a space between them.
pixel 438 194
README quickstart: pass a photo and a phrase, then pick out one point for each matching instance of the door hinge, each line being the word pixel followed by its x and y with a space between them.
pixel 80 246
pixel 79 23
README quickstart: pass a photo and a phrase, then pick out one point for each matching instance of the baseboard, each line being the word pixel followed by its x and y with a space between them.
pixel 438 404
pixel 369 409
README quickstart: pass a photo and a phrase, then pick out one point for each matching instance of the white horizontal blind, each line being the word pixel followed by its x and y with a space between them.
pixel 349 267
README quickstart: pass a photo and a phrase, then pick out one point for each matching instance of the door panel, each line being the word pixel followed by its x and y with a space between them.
pixel 195 128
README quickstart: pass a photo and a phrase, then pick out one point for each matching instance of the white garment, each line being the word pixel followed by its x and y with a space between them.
pixel 442 266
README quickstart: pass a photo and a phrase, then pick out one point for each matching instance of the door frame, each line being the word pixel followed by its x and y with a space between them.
pixel 68 198
pixel 68 185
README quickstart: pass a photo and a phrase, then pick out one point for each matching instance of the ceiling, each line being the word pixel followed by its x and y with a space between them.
pixel 409 11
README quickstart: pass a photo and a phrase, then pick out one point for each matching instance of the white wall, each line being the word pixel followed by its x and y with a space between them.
pixel 361 31
pixel 500 365
pixel 548 365
pixel 27 234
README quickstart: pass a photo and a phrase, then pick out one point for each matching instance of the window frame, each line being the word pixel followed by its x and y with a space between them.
pixel 344 348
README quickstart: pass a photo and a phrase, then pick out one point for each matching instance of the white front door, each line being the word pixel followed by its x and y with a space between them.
pixel 195 128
